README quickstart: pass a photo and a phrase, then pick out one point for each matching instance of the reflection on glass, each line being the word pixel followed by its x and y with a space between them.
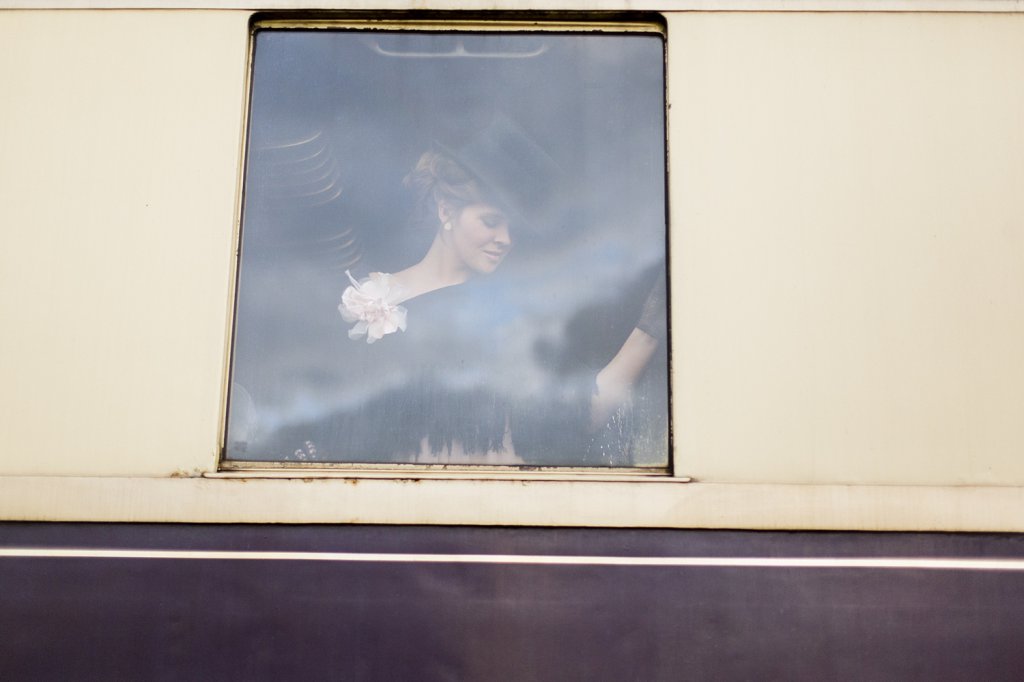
pixel 453 251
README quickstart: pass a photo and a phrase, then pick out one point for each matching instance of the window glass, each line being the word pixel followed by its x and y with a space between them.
pixel 453 251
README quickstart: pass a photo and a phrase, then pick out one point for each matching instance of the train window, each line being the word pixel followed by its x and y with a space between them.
pixel 453 250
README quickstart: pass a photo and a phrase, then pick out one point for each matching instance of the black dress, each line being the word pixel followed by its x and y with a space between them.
pixel 457 380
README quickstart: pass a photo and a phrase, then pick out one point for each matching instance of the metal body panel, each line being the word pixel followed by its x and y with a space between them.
pixel 375 620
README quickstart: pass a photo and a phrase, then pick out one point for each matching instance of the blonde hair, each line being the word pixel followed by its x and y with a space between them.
pixel 438 178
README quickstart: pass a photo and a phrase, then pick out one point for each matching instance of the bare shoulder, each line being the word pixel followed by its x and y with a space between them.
pixel 411 281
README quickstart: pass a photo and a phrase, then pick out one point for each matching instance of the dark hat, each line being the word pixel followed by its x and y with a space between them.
pixel 513 169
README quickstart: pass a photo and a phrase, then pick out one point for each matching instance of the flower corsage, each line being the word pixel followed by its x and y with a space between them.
pixel 372 305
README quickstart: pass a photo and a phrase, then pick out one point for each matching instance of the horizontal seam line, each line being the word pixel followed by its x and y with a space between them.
pixel 525 559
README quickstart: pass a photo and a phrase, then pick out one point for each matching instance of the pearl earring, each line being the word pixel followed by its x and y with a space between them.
pixel 448 226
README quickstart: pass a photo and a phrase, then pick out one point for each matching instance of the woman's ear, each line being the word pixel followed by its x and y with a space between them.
pixel 445 212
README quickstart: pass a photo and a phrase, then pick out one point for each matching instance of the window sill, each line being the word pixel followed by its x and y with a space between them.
pixel 650 502
pixel 419 473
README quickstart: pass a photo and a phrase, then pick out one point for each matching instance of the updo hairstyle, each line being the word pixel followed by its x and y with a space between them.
pixel 437 178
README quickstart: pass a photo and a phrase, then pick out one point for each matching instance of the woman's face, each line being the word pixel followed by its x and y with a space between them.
pixel 480 237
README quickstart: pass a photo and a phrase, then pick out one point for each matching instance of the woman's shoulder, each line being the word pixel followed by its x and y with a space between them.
pixel 417 283
pixel 381 303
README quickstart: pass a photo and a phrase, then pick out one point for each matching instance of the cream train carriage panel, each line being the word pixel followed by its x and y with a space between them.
pixel 830 189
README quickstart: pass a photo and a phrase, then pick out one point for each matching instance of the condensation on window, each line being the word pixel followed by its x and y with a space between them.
pixel 453 251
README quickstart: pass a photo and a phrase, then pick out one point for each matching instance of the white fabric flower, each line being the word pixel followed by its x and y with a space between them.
pixel 371 304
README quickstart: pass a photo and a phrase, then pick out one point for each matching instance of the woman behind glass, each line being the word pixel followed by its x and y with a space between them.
pixel 428 399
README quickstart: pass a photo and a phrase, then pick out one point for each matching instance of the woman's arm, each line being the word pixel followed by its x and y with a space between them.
pixel 615 381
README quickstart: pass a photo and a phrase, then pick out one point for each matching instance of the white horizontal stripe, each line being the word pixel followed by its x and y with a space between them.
pixel 656 5
pixel 529 559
